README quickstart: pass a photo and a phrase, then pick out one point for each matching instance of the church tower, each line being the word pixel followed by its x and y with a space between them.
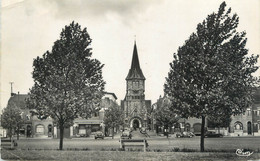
pixel 134 105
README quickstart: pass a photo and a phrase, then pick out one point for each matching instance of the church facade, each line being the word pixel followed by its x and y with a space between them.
pixel 134 105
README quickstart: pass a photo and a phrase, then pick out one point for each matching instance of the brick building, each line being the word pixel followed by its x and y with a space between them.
pixel 84 127
pixel 34 127
pixel 245 124
pixel 190 124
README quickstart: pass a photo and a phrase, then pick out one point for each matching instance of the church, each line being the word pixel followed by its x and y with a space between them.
pixel 134 105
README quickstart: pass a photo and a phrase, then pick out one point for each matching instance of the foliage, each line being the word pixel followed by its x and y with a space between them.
pixel 163 115
pixel 211 73
pixel 67 83
pixel 219 120
pixel 114 117
pixel 11 119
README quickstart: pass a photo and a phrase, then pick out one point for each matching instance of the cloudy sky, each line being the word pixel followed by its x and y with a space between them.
pixel 29 28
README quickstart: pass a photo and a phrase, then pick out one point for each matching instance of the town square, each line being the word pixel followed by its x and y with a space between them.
pixel 132 80
pixel 160 148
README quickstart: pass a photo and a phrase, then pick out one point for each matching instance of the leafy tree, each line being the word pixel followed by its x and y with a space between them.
pixel 163 115
pixel 211 72
pixel 11 120
pixel 114 117
pixel 67 83
pixel 220 119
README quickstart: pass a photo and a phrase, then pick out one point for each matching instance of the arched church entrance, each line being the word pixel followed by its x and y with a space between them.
pixel 135 123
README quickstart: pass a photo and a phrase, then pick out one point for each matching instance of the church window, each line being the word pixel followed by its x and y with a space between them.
pixel 135 84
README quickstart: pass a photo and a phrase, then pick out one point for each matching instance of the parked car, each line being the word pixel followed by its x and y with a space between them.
pixel 185 134
pixel 126 135
pixel 99 134
pixel 212 134
pixel 83 135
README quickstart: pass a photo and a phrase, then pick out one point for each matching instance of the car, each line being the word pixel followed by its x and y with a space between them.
pixel 185 134
pixel 126 135
pixel 99 134
pixel 82 135
pixel 212 134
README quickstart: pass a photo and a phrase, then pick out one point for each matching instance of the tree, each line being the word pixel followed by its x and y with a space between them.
pixel 220 119
pixel 163 116
pixel 211 71
pixel 114 117
pixel 67 83
pixel 11 120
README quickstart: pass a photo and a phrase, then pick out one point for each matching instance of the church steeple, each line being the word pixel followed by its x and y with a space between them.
pixel 134 104
pixel 135 72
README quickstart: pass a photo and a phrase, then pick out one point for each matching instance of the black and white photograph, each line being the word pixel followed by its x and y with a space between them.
pixel 129 80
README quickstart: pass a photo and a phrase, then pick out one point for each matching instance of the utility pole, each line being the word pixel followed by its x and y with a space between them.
pixel 11 87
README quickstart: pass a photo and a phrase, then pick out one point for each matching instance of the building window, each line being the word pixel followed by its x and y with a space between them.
pixel 187 127
pixel 82 129
pixel 27 117
pixel 238 126
pixel 40 129
pixel 248 112
pixel 96 114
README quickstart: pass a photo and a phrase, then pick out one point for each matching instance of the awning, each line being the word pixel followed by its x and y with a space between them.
pixel 88 121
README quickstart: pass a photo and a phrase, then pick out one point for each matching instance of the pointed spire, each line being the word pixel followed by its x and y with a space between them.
pixel 135 71
pixel 135 59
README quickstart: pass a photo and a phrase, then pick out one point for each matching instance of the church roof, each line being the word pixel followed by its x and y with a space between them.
pixel 135 72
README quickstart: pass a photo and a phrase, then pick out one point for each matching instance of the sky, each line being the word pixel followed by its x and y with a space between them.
pixel 30 27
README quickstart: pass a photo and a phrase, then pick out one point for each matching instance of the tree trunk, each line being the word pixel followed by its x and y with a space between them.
pixel 113 133
pixel 18 132
pixel 61 137
pixel 219 130
pixel 202 134
pixel 166 131
pixel 10 133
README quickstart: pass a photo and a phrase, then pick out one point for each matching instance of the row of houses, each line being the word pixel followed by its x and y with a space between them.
pixel 35 127
pixel 245 124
